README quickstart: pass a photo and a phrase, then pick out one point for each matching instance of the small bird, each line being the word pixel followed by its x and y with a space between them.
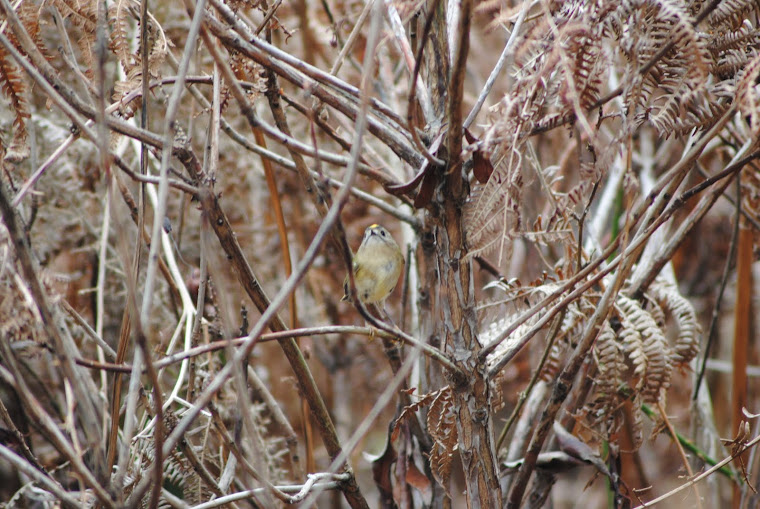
pixel 377 266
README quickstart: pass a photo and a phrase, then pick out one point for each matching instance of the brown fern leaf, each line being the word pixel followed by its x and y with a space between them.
pixel 747 97
pixel 644 28
pixel 83 15
pixel 653 307
pixel 588 70
pixel 408 411
pixel 668 114
pixel 682 312
pixel 572 326
pixel 441 424
pixel 731 11
pixel 550 121
pixel 15 88
pixel 508 346
pixel 603 409
pixel 673 23
pixel 634 350
pixel 698 108
pixel 610 366
pixel 740 39
pixel 658 352
pixel 704 106
pixel 577 194
pixel 158 46
pixel 562 234
pixel 492 213
pixel 119 14
pixel 554 361
pixel 730 62
pixel 655 349
pixel 131 62
pixel 29 15
pixel 574 321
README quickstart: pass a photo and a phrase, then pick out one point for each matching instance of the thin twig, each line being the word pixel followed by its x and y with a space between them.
pixel 327 430
pixel 688 484
pixel 58 334
pixel 552 334
pixel 650 213
pixel 711 331
pixel 652 267
pixel 564 384
pixel 505 53
pixel 49 427
pixel 355 33
pixel 50 484
pixel 411 102
pixel 385 131
pixel 684 459
pixel 370 332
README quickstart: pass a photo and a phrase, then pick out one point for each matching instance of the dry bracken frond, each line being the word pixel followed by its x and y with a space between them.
pixel 584 78
pixel 508 345
pixel 682 312
pixel 653 307
pixel 131 61
pixel 731 10
pixel 645 28
pixel 739 39
pixel 441 424
pixel 611 367
pixel 492 215
pixel 119 14
pixel 15 89
pixel 634 349
pixel 654 347
pixel 409 410
pixel 747 96
pixel 554 361
pixel 82 14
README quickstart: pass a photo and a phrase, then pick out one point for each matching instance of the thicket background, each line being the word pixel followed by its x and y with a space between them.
pixel 574 186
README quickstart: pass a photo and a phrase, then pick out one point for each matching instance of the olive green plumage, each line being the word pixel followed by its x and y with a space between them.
pixel 378 263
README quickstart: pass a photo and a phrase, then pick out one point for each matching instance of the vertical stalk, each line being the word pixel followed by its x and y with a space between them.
pixel 471 394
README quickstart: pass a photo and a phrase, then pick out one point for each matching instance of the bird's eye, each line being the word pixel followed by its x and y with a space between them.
pixel 382 232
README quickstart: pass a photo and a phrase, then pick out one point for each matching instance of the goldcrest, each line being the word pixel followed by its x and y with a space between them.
pixel 377 266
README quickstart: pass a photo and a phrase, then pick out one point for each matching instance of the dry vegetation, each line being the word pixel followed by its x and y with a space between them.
pixel 575 188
